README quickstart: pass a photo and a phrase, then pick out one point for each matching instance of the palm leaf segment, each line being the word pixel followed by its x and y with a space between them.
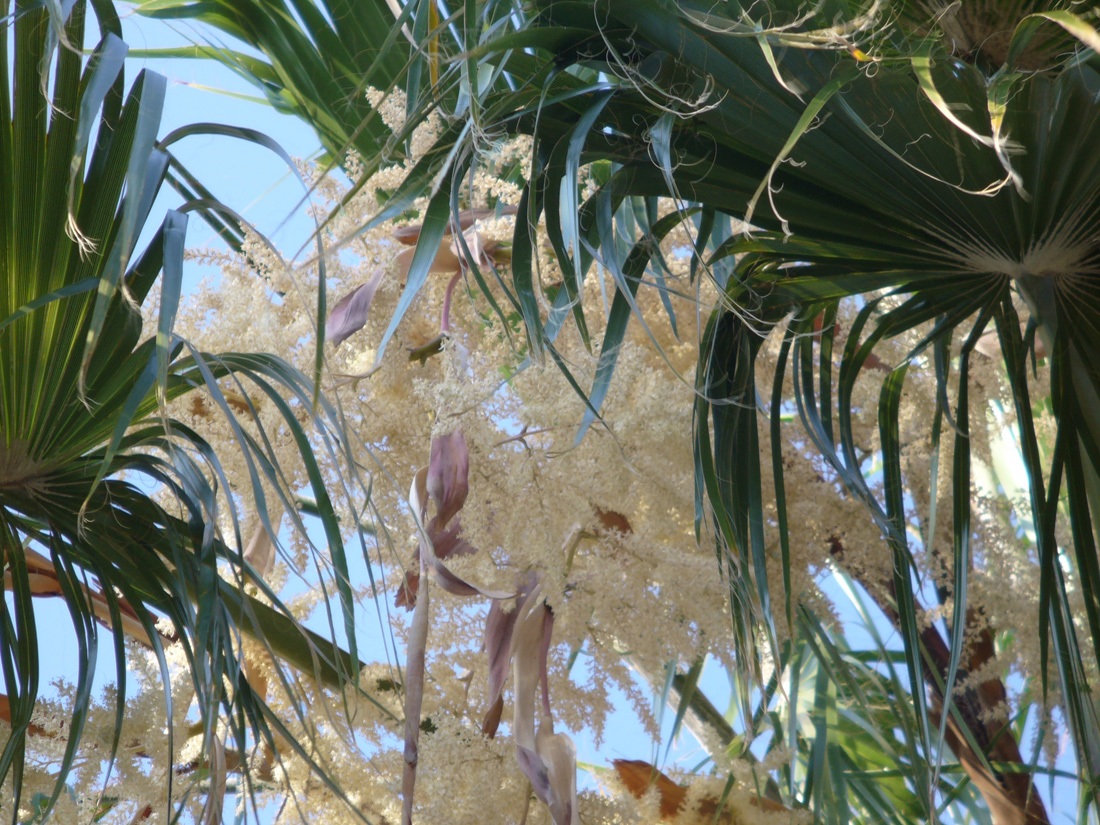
pixel 82 438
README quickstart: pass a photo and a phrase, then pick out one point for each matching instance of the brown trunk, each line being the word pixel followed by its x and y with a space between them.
pixel 1011 797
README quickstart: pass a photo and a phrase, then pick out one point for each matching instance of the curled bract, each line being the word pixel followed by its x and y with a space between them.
pixel 518 639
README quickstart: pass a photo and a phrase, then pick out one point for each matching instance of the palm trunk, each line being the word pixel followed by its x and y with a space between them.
pixel 1011 796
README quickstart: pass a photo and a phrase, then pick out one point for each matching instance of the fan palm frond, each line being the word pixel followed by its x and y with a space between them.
pixel 106 501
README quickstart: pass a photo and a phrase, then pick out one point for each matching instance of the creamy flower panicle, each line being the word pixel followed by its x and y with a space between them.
pixel 598 537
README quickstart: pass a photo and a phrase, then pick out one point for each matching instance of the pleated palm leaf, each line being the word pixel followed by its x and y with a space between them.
pixel 105 500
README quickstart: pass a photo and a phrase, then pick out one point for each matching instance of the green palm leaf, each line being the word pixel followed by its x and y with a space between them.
pixel 83 433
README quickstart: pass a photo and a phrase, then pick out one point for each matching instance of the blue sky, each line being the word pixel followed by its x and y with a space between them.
pixel 252 180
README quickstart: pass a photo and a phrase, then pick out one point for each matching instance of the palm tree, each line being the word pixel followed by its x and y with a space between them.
pixel 920 160
pixel 105 500
pixel 929 170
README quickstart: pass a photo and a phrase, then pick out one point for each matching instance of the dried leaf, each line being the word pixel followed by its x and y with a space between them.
pixel 638 777
pixel 43 581
pixel 257 659
pixel 457 586
pixel 532 766
pixel 527 636
pixel 406 593
pixel 610 520
pixel 544 655
pixel 491 721
pixel 260 552
pixel 450 492
pixel 548 760
pixel 497 643
pixel 410 234
pixel 559 756
pixel 350 313
pixel 449 542
pixel 499 625
pixel 448 481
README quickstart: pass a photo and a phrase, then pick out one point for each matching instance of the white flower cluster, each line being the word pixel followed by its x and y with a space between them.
pixel 607 524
